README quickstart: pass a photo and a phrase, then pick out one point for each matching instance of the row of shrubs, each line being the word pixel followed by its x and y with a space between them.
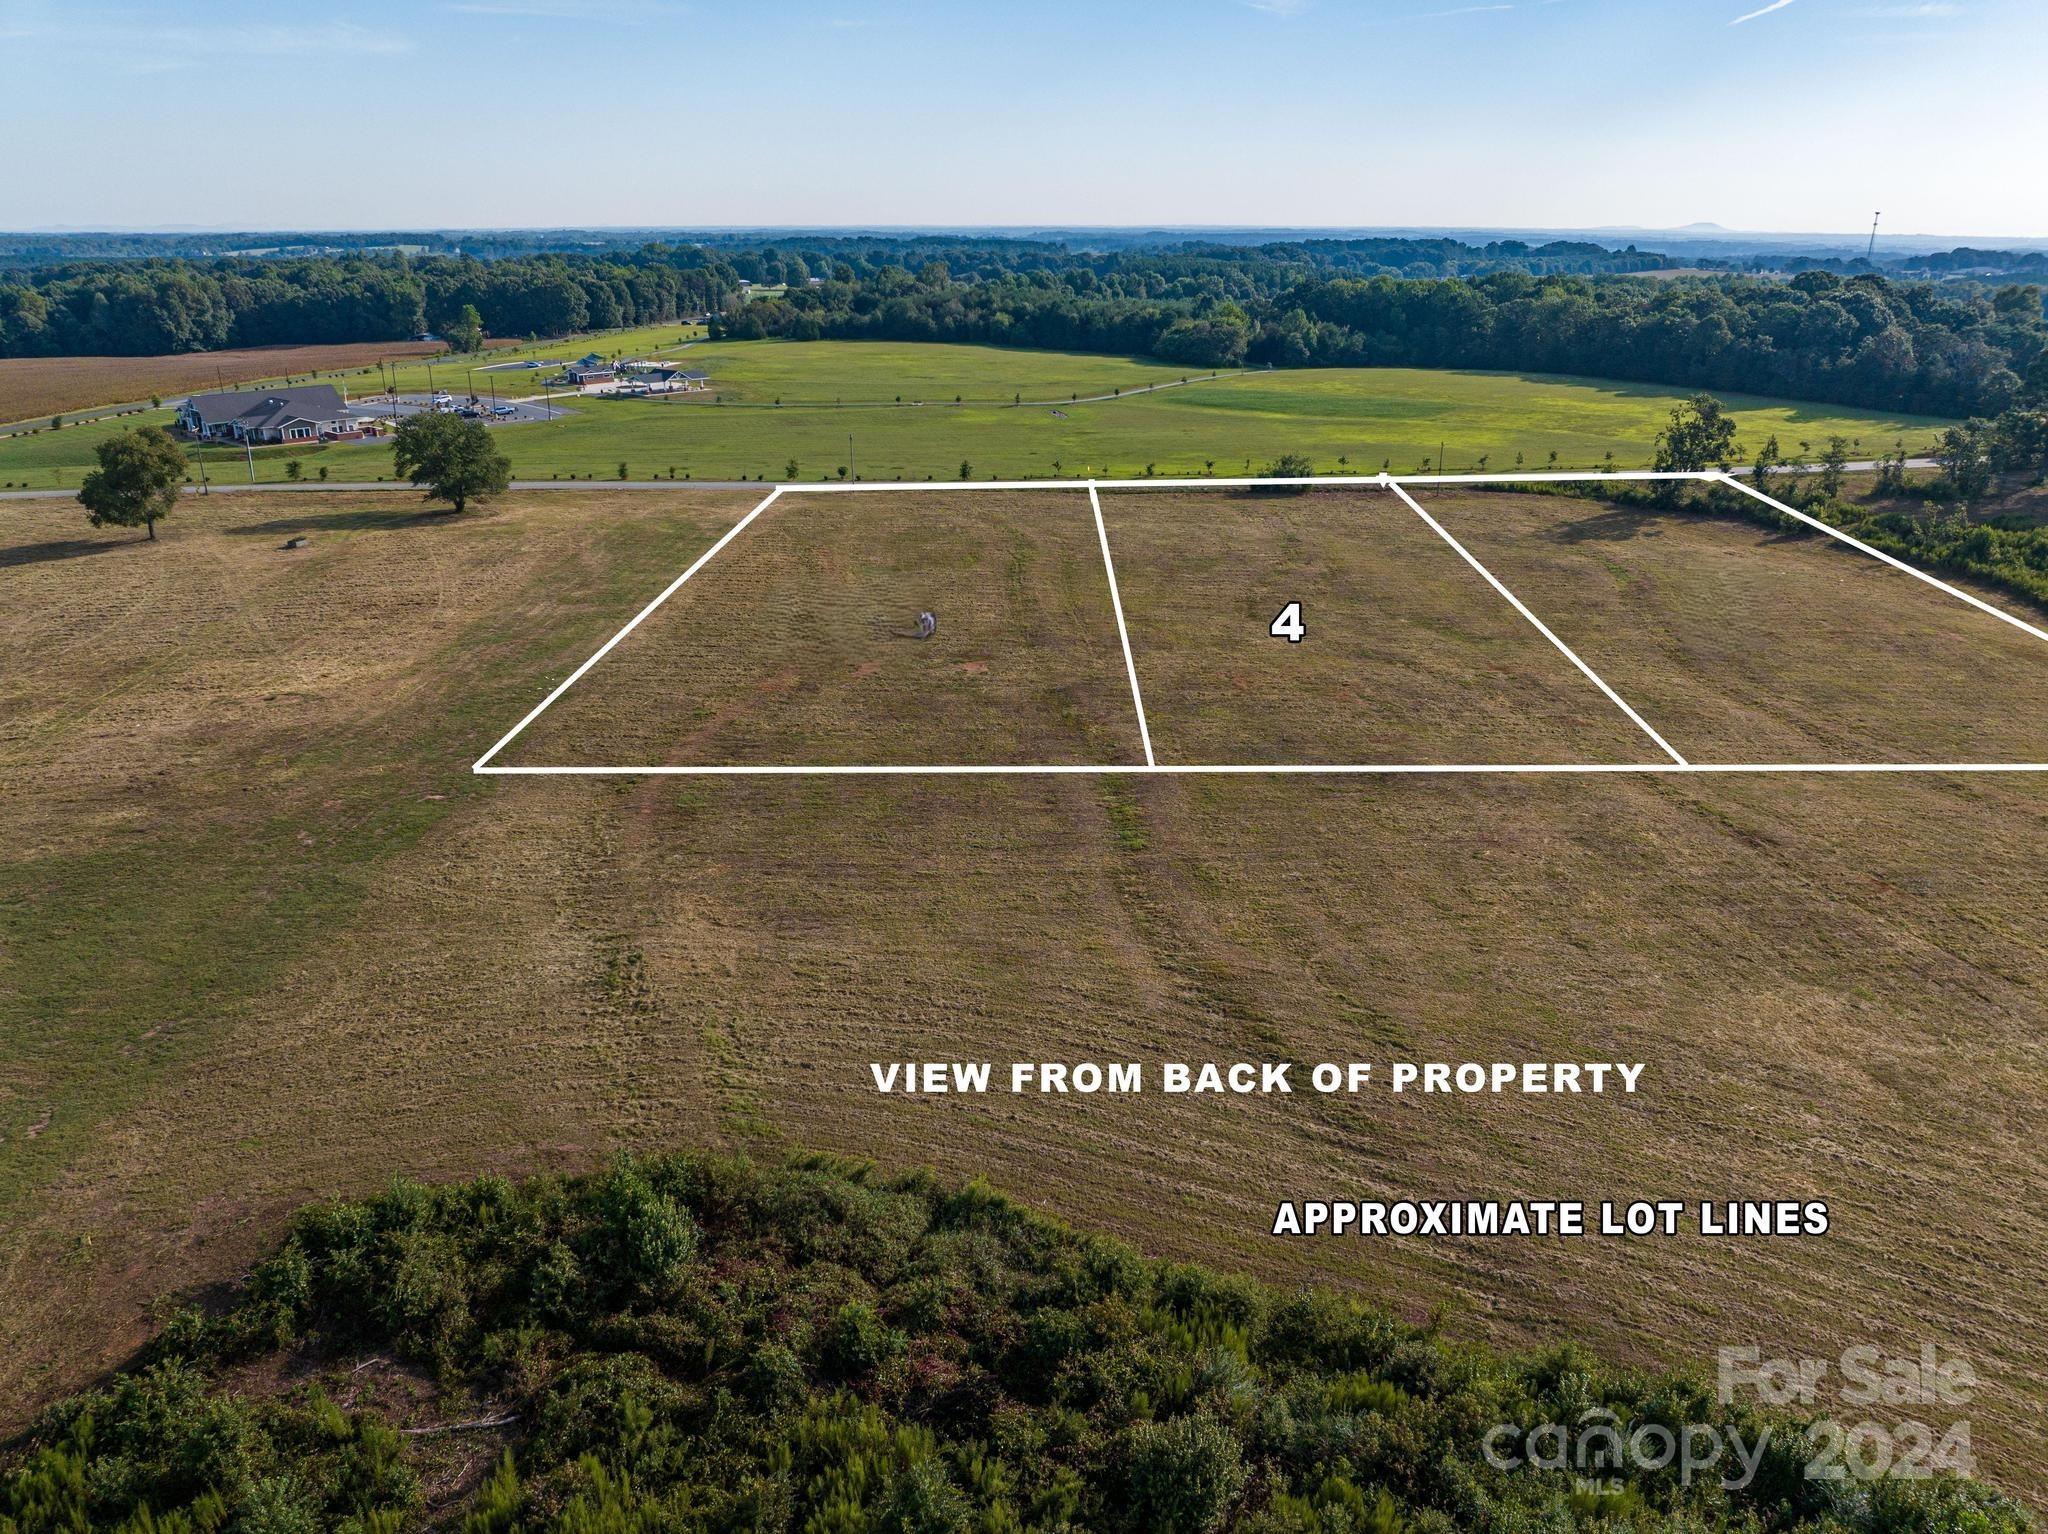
pixel 699 1343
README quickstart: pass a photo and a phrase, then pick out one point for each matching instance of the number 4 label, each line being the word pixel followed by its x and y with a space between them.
pixel 1288 625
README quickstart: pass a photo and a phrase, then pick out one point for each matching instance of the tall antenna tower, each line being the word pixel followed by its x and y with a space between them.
pixel 1871 253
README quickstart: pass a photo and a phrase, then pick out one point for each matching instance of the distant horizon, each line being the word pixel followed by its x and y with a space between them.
pixel 1704 228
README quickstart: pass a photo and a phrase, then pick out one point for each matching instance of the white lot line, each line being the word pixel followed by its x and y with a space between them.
pixel 1541 627
pixel 1896 564
pixel 1265 769
pixel 483 762
pixel 1117 601
pixel 1676 767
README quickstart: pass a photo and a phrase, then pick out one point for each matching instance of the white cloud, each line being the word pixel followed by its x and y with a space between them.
pixel 1775 5
pixel 1278 7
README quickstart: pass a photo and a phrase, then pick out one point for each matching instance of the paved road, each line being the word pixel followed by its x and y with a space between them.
pixel 658 484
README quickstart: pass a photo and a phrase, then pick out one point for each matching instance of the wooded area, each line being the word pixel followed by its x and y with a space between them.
pixel 1956 349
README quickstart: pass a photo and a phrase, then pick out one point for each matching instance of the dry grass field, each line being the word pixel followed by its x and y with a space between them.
pixel 798 644
pixel 1742 646
pixel 34 388
pixel 263 936
pixel 1409 656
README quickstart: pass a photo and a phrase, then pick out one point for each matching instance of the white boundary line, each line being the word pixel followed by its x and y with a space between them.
pixel 1541 627
pixel 1874 553
pixel 1204 482
pixel 1116 601
pixel 1678 766
pixel 1270 769
pixel 482 763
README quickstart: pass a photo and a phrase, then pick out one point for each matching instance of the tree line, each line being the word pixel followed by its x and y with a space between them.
pixel 1863 341
pixel 1956 349
pixel 150 308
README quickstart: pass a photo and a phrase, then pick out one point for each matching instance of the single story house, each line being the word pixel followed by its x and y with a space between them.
pixel 302 414
pixel 645 380
pixel 591 369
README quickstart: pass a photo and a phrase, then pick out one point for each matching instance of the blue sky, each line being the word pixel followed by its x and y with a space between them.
pixel 1807 115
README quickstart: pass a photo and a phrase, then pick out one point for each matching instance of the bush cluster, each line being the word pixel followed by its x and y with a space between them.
pixel 699 1343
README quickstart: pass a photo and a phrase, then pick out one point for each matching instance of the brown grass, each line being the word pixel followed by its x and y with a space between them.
pixel 1740 644
pixel 1409 658
pixel 263 937
pixel 798 644
pixel 35 388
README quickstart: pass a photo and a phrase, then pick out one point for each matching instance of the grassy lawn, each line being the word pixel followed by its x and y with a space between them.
pixel 263 937
pixel 1343 417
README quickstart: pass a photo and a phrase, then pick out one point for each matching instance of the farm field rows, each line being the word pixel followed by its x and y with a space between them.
pixel 341 956
pixel 35 388
pixel 1361 416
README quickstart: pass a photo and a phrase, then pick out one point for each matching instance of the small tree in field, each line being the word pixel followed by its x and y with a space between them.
pixel 455 460
pixel 1701 434
pixel 137 480
pixel 1834 463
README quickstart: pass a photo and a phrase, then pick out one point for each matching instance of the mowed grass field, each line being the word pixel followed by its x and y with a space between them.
pixel 1342 418
pixel 263 937
pixel 799 644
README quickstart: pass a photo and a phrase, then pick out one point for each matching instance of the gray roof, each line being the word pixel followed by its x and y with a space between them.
pixel 261 409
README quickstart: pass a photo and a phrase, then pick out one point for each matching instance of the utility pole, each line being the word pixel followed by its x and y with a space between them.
pixel 851 467
pixel 1871 253
pixel 249 451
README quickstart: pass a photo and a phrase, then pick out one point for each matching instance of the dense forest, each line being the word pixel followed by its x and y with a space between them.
pixel 1861 341
pixel 698 1344
pixel 1957 349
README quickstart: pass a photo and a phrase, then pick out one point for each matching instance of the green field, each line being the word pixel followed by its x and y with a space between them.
pixel 1357 418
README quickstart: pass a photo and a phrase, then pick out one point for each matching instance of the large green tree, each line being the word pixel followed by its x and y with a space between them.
pixel 467 333
pixel 137 481
pixel 1701 436
pixel 455 459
